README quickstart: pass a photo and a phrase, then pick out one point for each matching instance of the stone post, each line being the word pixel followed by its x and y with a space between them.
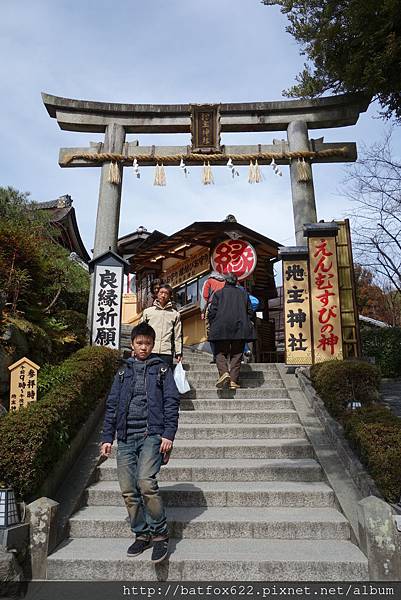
pixel 303 194
pixel 108 208
pixel 41 515
pixel 379 539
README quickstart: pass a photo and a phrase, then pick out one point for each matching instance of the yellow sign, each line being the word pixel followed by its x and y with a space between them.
pixel 23 384
pixel 297 321
pixel 325 299
pixel 188 269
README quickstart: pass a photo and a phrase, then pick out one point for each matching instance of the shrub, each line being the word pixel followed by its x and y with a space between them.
pixel 341 382
pixel 384 345
pixel 379 448
pixel 37 436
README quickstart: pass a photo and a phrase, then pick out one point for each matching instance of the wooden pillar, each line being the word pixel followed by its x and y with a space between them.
pixel 303 194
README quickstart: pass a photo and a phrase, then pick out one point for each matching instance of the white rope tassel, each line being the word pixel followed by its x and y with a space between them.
pixel 207 176
pixel 257 173
pixel 230 165
pixel 251 173
pixel 136 169
pixel 275 168
pixel 114 176
pixel 184 167
pixel 304 172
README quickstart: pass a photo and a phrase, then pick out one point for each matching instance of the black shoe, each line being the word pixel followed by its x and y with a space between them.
pixel 138 547
pixel 160 550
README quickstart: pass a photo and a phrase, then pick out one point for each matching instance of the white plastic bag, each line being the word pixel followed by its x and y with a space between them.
pixel 180 379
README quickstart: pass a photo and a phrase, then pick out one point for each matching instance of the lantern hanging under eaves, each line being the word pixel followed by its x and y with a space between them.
pixel 8 508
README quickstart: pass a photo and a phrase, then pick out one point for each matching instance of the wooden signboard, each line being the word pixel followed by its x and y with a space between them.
pixel 205 128
pixel 187 269
pixel 23 384
pixel 297 318
pixel 325 297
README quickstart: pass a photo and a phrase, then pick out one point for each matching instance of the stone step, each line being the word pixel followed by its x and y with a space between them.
pixel 261 368
pixel 211 560
pixel 239 431
pixel 235 416
pixel 282 448
pixel 240 405
pixel 250 377
pixel 225 493
pixel 207 392
pixel 227 469
pixel 209 381
pixel 228 522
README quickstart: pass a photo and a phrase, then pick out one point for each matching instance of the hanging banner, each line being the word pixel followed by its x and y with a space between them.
pixel 23 383
pixel 325 298
pixel 297 319
pixel 234 256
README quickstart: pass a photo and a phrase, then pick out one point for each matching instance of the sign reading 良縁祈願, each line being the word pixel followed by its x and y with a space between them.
pixel 23 384
pixel 108 270
pixel 297 320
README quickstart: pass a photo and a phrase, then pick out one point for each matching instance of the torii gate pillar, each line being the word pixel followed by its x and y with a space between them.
pixel 303 194
pixel 108 208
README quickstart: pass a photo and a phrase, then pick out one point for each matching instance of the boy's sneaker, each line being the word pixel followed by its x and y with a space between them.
pixel 160 550
pixel 138 547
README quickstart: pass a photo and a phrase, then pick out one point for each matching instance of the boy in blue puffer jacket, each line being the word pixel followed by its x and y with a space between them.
pixel 142 408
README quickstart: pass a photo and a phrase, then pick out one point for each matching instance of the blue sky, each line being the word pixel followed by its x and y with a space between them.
pixel 155 52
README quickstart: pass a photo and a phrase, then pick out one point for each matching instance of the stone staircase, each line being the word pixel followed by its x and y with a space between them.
pixel 245 497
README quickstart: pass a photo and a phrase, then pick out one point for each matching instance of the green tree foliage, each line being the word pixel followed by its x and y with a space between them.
pixel 351 46
pixel 36 276
pixel 43 294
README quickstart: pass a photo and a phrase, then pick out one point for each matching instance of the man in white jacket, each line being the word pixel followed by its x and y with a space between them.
pixel 166 322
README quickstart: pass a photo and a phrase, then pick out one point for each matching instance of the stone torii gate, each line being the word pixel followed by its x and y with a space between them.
pixel 295 117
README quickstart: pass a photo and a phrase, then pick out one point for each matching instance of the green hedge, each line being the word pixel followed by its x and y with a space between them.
pixel 35 438
pixel 384 344
pixel 378 445
pixel 339 383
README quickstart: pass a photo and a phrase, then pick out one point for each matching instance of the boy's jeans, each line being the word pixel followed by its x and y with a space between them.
pixel 138 462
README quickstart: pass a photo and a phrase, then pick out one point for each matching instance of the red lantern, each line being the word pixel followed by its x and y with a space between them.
pixel 234 256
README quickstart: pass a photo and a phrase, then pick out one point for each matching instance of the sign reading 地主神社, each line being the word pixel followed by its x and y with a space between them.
pixel 325 296
pixel 297 321
pixel 108 270
pixel 234 256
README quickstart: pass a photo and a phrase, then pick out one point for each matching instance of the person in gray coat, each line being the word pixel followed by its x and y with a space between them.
pixel 229 316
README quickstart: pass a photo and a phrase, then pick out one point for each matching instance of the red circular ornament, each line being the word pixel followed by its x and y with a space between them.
pixel 234 256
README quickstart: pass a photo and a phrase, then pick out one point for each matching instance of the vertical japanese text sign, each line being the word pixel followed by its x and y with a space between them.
pixel 325 296
pixel 108 270
pixel 297 321
pixel 23 384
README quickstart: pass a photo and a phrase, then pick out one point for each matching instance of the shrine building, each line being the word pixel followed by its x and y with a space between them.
pixel 186 258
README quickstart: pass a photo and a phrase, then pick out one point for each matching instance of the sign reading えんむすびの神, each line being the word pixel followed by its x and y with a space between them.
pixel 23 384
pixel 297 321
pixel 234 256
pixel 325 296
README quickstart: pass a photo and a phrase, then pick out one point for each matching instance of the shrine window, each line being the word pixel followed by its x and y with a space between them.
pixel 189 294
